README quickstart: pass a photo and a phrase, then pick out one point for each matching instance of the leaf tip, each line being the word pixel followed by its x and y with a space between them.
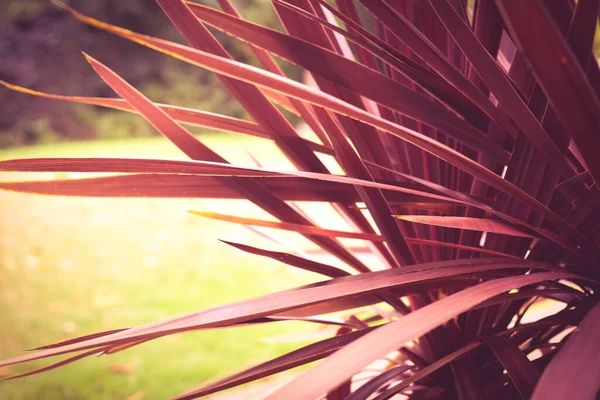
pixel 89 58
pixel 58 4
pixel 95 64
pixel 232 244
pixel 198 213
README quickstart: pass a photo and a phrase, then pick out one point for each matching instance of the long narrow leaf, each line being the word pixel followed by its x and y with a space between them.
pixel 145 186
pixel 477 224
pixel 581 354
pixel 290 360
pixel 521 371
pixel 313 230
pixel 293 260
pixel 349 360
pixel 559 73
pixel 181 114
pixel 281 302
pixel 196 150
pixel 293 89
pixel 498 83
pixel 342 71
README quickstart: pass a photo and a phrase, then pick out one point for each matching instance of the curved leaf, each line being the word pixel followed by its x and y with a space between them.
pixel 304 355
pixel 347 361
pixel 521 371
pixel 313 230
pixel 352 75
pixel 426 371
pixel 184 115
pixel 293 260
pixel 302 92
pixel 337 288
pixel 558 73
pixel 197 150
pixel 468 223
pixel 573 372
pixel 498 83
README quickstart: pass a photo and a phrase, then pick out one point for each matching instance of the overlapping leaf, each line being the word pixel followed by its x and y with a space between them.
pixel 482 147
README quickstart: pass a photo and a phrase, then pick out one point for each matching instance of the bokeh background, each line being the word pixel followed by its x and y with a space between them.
pixel 73 266
pixel 40 48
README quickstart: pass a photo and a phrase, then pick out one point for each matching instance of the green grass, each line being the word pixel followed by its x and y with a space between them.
pixel 73 266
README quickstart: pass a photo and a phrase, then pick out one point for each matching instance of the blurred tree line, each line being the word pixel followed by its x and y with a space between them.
pixel 40 48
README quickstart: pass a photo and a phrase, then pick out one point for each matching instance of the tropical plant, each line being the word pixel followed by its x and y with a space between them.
pixel 468 136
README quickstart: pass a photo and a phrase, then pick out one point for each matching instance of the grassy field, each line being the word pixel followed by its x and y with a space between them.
pixel 73 266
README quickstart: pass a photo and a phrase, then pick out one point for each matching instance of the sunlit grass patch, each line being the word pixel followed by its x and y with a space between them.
pixel 72 266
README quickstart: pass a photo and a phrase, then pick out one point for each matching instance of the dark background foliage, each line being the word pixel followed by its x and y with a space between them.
pixel 40 48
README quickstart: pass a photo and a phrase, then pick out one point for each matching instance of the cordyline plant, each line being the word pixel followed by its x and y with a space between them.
pixel 469 137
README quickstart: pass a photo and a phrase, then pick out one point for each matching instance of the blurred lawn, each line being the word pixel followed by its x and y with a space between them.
pixel 73 266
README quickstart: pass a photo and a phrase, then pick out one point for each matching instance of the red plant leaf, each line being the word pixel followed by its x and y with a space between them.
pixel 296 90
pixel 196 150
pixel 249 96
pixel 304 110
pixel 496 80
pixel 426 79
pixel 181 114
pixel 282 302
pixel 132 165
pixel 350 359
pixel 582 30
pixel 425 242
pixel 416 41
pixel 427 371
pixel 188 186
pixel 375 383
pixel 466 382
pixel 313 230
pixel 573 372
pixel 140 186
pixel 344 390
pixel 293 260
pixel 61 363
pixel 157 117
pixel 374 200
pixel 468 223
pixel 559 73
pixel 352 75
pixel 304 355
pixel 521 371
